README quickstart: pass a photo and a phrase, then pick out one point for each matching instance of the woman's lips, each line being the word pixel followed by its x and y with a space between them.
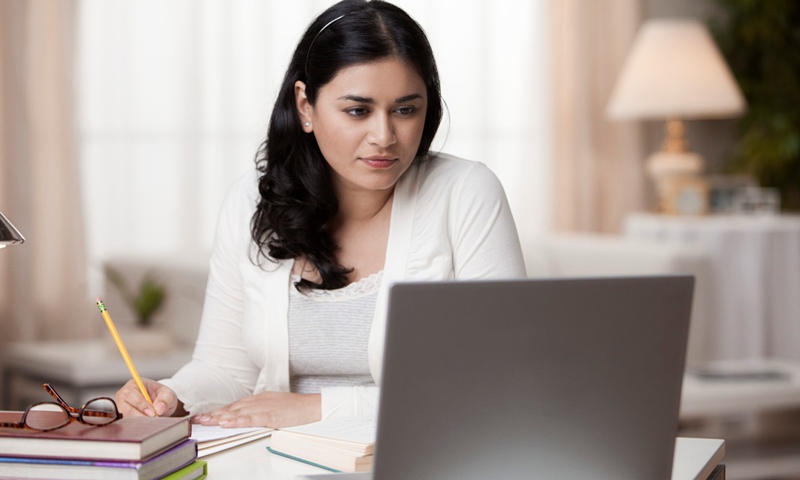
pixel 379 162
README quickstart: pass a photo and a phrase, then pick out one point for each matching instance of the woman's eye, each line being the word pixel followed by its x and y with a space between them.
pixel 357 112
pixel 405 111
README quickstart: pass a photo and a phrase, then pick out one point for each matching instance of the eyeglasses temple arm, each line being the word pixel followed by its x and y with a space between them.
pixel 52 391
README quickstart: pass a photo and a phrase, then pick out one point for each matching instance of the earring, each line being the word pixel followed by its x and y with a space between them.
pixel 307 124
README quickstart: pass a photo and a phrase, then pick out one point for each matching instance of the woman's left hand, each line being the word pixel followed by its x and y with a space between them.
pixel 267 409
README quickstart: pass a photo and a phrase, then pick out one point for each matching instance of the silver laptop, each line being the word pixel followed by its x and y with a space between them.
pixel 551 379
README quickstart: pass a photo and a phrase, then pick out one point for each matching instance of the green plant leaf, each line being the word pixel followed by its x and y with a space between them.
pixel 761 42
pixel 151 296
pixel 118 281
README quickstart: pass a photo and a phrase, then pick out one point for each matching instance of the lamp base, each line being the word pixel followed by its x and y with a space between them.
pixel 680 187
pixel 667 164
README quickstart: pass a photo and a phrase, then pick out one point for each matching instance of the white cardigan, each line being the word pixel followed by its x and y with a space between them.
pixel 450 220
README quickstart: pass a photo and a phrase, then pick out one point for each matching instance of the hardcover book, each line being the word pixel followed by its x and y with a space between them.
pixel 130 438
pixel 46 468
pixel 339 444
pixel 197 470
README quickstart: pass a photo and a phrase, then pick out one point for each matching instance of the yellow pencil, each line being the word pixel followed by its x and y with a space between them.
pixel 123 350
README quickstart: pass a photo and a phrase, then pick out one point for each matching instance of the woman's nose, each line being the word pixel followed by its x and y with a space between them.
pixel 382 131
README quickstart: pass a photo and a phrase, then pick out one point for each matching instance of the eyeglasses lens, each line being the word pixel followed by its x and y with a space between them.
pixel 100 411
pixel 46 416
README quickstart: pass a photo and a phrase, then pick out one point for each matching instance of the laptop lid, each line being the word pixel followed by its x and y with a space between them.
pixel 555 378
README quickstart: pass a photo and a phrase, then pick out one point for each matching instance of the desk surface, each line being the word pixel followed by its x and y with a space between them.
pixel 695 459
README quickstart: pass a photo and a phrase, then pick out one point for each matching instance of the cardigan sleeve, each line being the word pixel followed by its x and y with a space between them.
pixel 482 232
pixel 220 371
pixel 462 225
pixel 358 401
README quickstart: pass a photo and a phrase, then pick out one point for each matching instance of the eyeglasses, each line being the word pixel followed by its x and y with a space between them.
pixel 46 416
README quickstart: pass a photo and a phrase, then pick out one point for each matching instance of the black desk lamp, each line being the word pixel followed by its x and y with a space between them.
pixel 9 235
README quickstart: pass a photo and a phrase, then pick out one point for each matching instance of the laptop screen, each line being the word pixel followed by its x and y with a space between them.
pixel 556 378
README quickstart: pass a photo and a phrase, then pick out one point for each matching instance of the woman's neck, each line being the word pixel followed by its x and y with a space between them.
pixel 361 231
pixel 363 206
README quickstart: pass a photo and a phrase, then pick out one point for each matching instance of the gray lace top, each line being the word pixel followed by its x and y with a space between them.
pixel 329 333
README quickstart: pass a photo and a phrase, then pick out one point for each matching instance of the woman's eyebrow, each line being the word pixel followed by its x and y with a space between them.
pixel 368 100
pixel 408 98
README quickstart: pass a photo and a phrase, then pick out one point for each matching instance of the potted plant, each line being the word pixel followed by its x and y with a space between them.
pixel 761 42
pixel 145 301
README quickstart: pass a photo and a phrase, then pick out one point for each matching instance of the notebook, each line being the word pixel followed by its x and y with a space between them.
pixel 537 378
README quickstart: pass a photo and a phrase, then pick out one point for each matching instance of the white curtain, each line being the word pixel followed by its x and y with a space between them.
pixel 43 287
pixel 175 98
pixel 597 163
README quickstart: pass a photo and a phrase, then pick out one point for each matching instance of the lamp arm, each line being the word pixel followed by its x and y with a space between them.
pixel 9 235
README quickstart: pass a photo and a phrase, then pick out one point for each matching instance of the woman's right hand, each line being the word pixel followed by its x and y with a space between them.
pixel 131 402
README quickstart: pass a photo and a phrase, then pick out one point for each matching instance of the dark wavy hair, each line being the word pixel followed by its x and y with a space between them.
pixel 298 201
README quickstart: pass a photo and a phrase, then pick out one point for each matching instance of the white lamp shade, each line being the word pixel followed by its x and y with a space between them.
pixel 675 70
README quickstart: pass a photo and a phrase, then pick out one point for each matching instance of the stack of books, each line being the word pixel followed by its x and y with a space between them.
pixel 132 448
pixel 339 444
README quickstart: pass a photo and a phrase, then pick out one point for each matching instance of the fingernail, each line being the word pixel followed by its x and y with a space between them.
pixel 149 412
pixel 161 407
pixel 223 423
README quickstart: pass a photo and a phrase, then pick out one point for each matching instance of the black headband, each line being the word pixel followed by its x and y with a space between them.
pixel 308 52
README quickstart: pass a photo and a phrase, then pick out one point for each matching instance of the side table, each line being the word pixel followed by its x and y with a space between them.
pixel 79 370
pixel 754 281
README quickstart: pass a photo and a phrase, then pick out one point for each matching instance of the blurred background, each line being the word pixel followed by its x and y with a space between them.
pixel 124 122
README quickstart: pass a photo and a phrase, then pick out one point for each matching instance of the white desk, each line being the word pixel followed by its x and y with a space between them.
pixel 754 281
pixel 695 459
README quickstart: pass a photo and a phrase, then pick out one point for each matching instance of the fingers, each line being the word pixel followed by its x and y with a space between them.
pixel 212 417
pixel 204 419
pixel 229 417
pixel 165 401
pixel 160 407
pixel 229 412
pixel 238 421
pixel 267 409
pixel 131 402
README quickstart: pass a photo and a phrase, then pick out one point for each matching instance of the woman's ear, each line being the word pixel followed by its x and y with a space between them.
pixel 304 108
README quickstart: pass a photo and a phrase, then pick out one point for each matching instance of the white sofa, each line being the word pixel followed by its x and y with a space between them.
pixel 184 279
pixel 561 255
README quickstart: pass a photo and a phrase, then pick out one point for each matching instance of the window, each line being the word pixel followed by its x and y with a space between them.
pixel 174 100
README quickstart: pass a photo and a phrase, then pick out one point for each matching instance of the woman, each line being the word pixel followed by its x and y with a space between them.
pixel 346 200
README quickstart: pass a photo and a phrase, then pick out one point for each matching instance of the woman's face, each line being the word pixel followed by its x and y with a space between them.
pixel 368 122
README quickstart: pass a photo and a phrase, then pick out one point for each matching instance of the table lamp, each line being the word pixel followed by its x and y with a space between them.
pixel 674 72
pixel 9 235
